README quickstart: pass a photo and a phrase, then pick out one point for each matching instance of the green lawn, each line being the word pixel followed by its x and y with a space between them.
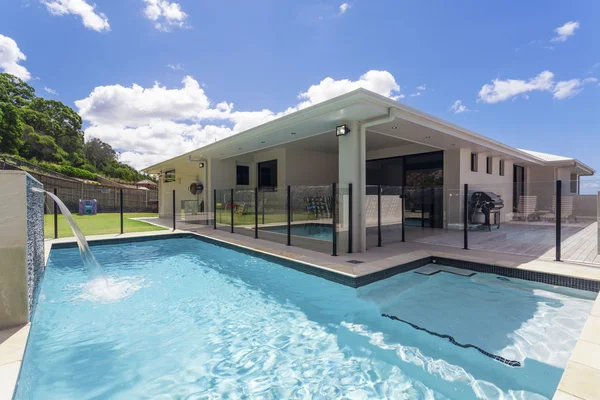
pixel 99 224
pixel 224 217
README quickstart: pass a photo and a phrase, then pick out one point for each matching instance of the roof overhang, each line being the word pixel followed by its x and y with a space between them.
pixel 361 105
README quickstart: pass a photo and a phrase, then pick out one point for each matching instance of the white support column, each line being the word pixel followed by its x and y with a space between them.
pixel 351 161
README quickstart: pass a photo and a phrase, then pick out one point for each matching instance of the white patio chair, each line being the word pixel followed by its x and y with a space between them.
pixel 526 208
pixel 566 208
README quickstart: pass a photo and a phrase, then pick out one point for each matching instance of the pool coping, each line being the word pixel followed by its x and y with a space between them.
pixel 578 379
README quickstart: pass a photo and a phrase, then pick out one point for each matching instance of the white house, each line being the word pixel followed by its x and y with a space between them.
pixel 386 143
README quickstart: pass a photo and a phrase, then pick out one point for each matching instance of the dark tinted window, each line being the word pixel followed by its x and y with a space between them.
pixel 473 162
pixel 267 174
pixel 243 175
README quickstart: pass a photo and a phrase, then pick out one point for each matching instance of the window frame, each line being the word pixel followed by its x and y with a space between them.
pixel 169 176
pixel 501 167
pixel 237 175
pixel 573 184
pixel 489 165
pixel 474 162
pixel 274 177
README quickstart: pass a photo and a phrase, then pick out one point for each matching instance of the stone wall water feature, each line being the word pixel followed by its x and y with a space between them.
pixel 21 246
pixel 35 239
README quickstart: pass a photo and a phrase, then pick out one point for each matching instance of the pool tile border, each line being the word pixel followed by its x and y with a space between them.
pixel 535 276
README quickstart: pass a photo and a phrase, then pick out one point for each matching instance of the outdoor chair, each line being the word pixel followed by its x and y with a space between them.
pixel 566 208
pixel 526 208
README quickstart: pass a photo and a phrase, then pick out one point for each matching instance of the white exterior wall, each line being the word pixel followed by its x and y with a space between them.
pixel 310 168
pixel 457 172
pixel 186 172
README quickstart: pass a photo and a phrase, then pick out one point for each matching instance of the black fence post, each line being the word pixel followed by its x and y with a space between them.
pixel 55 215
pixel 121 199
pixel 350 219
pixel 378 215
pixel 215 209
pixel 263 207
pixel 558 212
pixel 333 208
pixel 466 216
pixel 403 197
pixel 256 213
pixel 173 209
pixel 423 207
pixel 231 204
pixel 289 215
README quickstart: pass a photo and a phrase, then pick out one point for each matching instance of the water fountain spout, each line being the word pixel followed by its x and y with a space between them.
pixel 89 261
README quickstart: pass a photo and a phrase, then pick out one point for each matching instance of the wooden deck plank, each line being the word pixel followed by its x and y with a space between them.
pixel 580 242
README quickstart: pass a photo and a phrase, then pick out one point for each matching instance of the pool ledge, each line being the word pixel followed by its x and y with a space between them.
pixel 581 379
pixel 12 348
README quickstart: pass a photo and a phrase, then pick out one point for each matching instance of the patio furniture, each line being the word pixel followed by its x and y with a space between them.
pixel 566 208
pixel 526 208
pixel 318 207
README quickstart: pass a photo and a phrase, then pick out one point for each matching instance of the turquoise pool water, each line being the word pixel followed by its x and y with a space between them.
pixel 310 230
pixel 202 321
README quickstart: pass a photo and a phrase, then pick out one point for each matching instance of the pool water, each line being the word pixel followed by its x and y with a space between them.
pixel 310 230
pixel 209 322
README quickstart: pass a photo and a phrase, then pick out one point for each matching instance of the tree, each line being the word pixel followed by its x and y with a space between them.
pixel 14 90
pixel 53 118
pixel 11 129
pixel 98 153
pixel 51 132
pixel 42 147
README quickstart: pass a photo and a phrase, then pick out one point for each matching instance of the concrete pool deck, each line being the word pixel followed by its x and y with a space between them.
pixel 580 380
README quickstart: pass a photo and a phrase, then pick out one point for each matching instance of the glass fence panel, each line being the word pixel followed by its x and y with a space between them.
pixel 97 210
pixel 579 220
pixel 343 222
pixel 244 211
pixel 272 214
pixel 512 218
pixel 224 209
pixel 140 210
pixel 391 215
pixel 311 217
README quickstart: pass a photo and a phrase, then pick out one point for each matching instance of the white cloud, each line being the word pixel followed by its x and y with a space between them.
pixel 91 19
pixel 422 88
pixel 51 91
pixel 10 57
pixel 570 88
pixel 176 67
pixel 344 7
pixel 500 90
pixel 381 82
pixel 458 107
pixel 165 14
pixel 151 124
pixel 563 32
pixel 135 105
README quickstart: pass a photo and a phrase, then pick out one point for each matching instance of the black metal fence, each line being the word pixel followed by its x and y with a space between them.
pixel 314 217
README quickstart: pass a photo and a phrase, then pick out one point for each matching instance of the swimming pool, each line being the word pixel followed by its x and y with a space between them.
pixel 309 230
pixel 209 321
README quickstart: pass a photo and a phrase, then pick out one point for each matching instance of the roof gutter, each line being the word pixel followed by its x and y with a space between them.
pixel 391 115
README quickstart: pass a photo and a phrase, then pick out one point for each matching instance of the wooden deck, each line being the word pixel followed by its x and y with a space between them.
pixel 579 240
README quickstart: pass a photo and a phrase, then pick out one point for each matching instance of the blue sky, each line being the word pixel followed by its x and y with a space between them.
pixel 225 66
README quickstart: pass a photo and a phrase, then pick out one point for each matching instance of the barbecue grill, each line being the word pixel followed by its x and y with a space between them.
pixel 482 205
